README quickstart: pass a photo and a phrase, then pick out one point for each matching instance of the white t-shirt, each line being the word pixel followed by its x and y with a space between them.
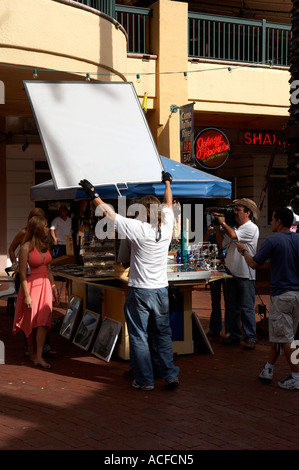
pixel 148 256
pixel 63 228
pixel 248 234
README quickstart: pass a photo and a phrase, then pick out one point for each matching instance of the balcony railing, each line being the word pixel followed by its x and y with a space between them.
pixel 238 39
pixel 136 22
pixel 105 6
pixel 209 36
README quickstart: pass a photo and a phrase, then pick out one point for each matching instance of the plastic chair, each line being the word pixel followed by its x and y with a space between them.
pixel 9 294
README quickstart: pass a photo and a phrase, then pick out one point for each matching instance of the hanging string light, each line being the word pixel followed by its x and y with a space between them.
pixel 138 76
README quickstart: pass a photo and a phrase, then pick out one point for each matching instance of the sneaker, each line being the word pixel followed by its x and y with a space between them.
pixel 146 388
pixel 249 345
pixel 173 383
pixel 289 383
pixel 266 374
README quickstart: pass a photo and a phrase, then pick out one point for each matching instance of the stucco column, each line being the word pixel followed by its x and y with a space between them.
pixel 3 198
pixel 169 42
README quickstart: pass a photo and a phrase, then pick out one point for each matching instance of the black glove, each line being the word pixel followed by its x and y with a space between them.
pixel 166 176
pixel 88 188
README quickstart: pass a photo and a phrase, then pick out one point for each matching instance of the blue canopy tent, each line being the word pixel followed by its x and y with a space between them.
pixel 187 182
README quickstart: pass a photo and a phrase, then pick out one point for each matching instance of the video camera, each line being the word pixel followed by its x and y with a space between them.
pixel 227 212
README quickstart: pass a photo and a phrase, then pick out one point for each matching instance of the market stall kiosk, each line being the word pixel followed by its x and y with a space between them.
pixel 107 295
pixel 74 120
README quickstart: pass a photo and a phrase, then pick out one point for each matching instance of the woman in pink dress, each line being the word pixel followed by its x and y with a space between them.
pixel 33 313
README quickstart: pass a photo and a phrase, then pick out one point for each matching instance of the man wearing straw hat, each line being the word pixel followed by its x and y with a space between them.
pixel 239 290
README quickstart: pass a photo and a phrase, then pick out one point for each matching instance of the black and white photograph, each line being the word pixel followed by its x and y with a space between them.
pixel 106 339
pixel 71 317
pixel 87 329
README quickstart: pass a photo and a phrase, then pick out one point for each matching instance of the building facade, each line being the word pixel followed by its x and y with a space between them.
pixel 231 64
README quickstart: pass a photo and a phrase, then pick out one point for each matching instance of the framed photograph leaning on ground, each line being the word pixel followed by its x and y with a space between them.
pixel 106 339
pixel 71 317
pixel 86 330
pixel 201 341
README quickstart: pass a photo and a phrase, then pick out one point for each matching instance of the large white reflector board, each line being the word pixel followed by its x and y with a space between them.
pixel 94 130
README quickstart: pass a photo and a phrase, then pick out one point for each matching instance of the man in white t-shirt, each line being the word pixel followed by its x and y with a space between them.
pixel 239 291
pixel 147 304
pixel 60 228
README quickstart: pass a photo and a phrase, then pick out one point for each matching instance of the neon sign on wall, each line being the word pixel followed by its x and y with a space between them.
pixel 261 138
pixel 211 148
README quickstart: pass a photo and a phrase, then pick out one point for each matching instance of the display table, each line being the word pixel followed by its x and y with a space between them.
pixel 6 284
pixel 5 278
pixel 8 292
pixel 107 296
pixel 104 295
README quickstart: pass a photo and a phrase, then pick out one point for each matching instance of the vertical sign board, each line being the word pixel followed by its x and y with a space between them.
pixel 94 130
pixel 187 133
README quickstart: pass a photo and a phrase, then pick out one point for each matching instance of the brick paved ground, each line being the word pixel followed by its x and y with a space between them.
pixel 85 403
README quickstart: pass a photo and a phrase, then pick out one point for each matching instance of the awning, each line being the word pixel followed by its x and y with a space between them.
pixel 187 182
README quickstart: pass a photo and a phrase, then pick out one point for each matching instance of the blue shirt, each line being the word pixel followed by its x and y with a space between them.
pixel 282 249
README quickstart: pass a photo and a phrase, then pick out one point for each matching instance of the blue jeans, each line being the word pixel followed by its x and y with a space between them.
pixel 239 296
pixel 58 250
pixel 216 314
pixel 147 316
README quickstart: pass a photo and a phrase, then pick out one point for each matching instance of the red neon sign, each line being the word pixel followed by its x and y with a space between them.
pixel 261 138
pixel 211 148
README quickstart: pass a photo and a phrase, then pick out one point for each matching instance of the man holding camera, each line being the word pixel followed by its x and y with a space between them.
pixel 239 290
